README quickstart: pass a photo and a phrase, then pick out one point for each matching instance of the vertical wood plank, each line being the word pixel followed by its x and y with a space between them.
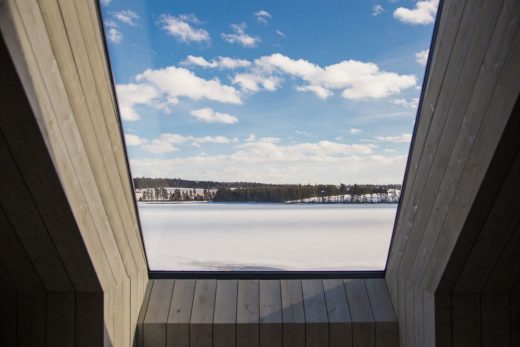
pixel 496 320
pixel 60 325
pixel 157 313
pixel 248 313
pixel 363 324
pixel 8 318
pixel 293 314
pixel 178 328
pixel 340 322
pixel 386 321
pixel 466 323
pixel 31 319
pixel 225 316
pixel 201 325
pixel 270 314
pixel 139 335
pixel 316 318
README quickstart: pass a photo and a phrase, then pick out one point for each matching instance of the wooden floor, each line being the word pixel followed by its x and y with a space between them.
pixel 331 312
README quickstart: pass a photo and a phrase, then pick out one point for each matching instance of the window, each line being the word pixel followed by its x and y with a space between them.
pixel 268 136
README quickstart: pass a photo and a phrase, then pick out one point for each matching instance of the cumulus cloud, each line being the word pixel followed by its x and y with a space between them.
pixel 169 142
pixel 181 28
pixel 239 36
pixel 126 16
pixel 268 160
pixel 133 140
pixel 114 35
pixel 177 82
pixel 208 115
pixel 263 16
pixel 404 138
pixel 130 95
pixel 377 10
pixel 220 62
pixel 253 82
pixel 423 13
pixel 355 79
pixel 319 91
pixel 355 131
pixel 422 56
pixel 413 103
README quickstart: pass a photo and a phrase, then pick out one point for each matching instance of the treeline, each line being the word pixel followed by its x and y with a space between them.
pixel 283 193
pixel 146 182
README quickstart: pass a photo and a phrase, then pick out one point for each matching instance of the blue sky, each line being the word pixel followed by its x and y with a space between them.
pixel 269 91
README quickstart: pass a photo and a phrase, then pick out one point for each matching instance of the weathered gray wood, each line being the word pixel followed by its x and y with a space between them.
pixel 293 314
pixel 363 324
pixel 201 324
pixel 178 328
pixel 270 314
pixel 316 318
pixel 157 313
pixel 386 321
pixel 338 311
pixel 225 316
pixel 248 313
pixel 138 340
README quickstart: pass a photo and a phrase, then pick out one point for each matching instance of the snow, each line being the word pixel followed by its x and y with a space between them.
pixel 215 236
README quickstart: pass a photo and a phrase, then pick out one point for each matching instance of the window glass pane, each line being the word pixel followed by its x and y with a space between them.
pixel 267 135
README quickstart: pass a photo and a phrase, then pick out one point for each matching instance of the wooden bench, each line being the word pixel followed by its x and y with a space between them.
pixel 328 312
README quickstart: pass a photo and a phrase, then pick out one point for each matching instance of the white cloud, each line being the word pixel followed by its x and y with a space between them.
pixel 251 82
pixel 389 150
pixel 133 140
pixel 413 103
pixel 126 16
pixel 262 16
pixel 357 80
pixel 239 36
pixel 377 10
pixel 114 35
pixel 105 2
pixel 177 82
pixel 280 33
pixel 404 138
pixel 168 142
pixel 220 62
pixel 208 115
pixel 355 131
pixel 422 56
pixel 110 23
pixel 130 95
pixel 181 28
pixel 319 91
pixel 423 13
pixel 269 161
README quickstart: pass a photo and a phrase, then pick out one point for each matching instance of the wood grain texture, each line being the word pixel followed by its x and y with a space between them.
pixel 270 313
pixel 338 312
pixel 178 324
pixel 363 323
pixel 225 328
pixel 248 313
pixel 201 324
pixel 316 317
pixel 78 197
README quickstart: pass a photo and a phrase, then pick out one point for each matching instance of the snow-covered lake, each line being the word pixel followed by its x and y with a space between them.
pixel 216 236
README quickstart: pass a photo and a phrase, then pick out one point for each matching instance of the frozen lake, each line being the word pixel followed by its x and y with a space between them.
pixel 216 236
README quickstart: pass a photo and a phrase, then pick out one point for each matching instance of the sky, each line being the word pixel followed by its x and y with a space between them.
pixel 271 91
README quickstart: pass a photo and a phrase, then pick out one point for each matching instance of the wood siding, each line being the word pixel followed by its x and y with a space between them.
pixel 299 313
pixel 454 258
pixel 71 256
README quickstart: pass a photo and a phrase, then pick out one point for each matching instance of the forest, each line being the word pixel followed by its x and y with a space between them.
pixel 251 191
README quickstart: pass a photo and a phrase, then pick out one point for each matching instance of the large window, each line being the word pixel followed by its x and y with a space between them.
pixel 267 135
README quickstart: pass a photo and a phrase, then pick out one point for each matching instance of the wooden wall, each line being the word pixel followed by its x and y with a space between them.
pixel 453 270
pixel 72 265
